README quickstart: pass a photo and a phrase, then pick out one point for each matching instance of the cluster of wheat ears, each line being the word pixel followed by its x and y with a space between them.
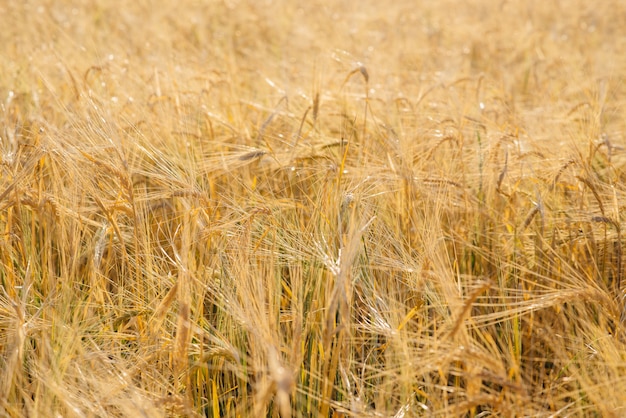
pixel 293 209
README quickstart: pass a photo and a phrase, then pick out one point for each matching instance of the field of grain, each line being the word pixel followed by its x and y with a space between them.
pixel 299 209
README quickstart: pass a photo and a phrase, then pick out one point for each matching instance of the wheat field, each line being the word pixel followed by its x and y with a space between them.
pixel 293 209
